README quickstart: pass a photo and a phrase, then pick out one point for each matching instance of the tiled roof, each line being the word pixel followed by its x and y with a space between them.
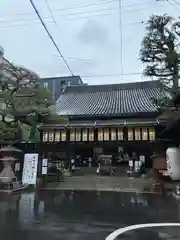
pixel 110 100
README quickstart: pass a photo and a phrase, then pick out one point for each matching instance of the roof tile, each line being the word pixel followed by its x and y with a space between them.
pixel 104 100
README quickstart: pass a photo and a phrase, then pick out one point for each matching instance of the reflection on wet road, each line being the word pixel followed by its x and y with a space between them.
pixel 67 215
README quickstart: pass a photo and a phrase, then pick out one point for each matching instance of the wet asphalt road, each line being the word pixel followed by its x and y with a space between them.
pixel 67 215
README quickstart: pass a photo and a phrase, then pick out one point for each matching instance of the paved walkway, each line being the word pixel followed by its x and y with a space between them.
pixel 117 184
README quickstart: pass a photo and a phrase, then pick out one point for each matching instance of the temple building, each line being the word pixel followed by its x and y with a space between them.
pixel 110 119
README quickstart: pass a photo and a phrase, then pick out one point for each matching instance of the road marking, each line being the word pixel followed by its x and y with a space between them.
pixel 119 231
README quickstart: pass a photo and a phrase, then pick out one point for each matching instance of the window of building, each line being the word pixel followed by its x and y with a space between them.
pixel 69 82
pixel 45 85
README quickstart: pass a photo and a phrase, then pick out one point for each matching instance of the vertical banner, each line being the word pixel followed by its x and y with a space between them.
pixel 44 166
pixel 30 168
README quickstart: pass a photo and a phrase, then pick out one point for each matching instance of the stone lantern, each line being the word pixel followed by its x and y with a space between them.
pixel 7 176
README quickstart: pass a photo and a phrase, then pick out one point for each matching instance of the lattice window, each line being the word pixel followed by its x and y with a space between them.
pixel 144 134
pixel 106 134
pixel 85 135
pixel 91 135
pixel 113 134
pixel 100 134
pixel 152 134
pixel 130 134
pixel 137 134
pixel 120 134
pixel 45 136
pixel 57 136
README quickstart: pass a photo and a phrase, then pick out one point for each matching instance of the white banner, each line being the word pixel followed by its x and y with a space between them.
pixel 30 168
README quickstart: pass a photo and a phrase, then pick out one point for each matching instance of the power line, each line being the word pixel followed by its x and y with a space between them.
pixel 50 36
pixel 82 6
pixel 178 10
pixel 111 75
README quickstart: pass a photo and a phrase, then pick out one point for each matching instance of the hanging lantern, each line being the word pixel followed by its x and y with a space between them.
pixel 137 134
pixel 120 134
pixel 45 136
pixel 106 134
pixel 152 134
pixel 144 134
pixel 113 134
pixel 78 134
pixel 130 134
pixel 91 134
pixel 57 136
pixel 72 135
pixel 51 136
pixel 100 134
pixel 63 136
pixel 85 135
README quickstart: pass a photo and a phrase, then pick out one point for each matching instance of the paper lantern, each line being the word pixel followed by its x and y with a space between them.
pixel 137 134
pixel 78 134
pixel 113 134
pixel 100 134
pixel 130 134
pixel 45 136
pixel 106 134
pixel 91 135
pixel 85 135
pixel 144 134
pixel 57 136
pixel 63 136
pixel 152 134
pixel 120 134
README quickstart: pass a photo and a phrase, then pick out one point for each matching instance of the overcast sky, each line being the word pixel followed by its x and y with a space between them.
pixel 88 30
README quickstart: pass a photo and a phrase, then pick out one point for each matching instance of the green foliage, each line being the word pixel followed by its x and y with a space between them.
pixel 160 50
pixel 24 103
